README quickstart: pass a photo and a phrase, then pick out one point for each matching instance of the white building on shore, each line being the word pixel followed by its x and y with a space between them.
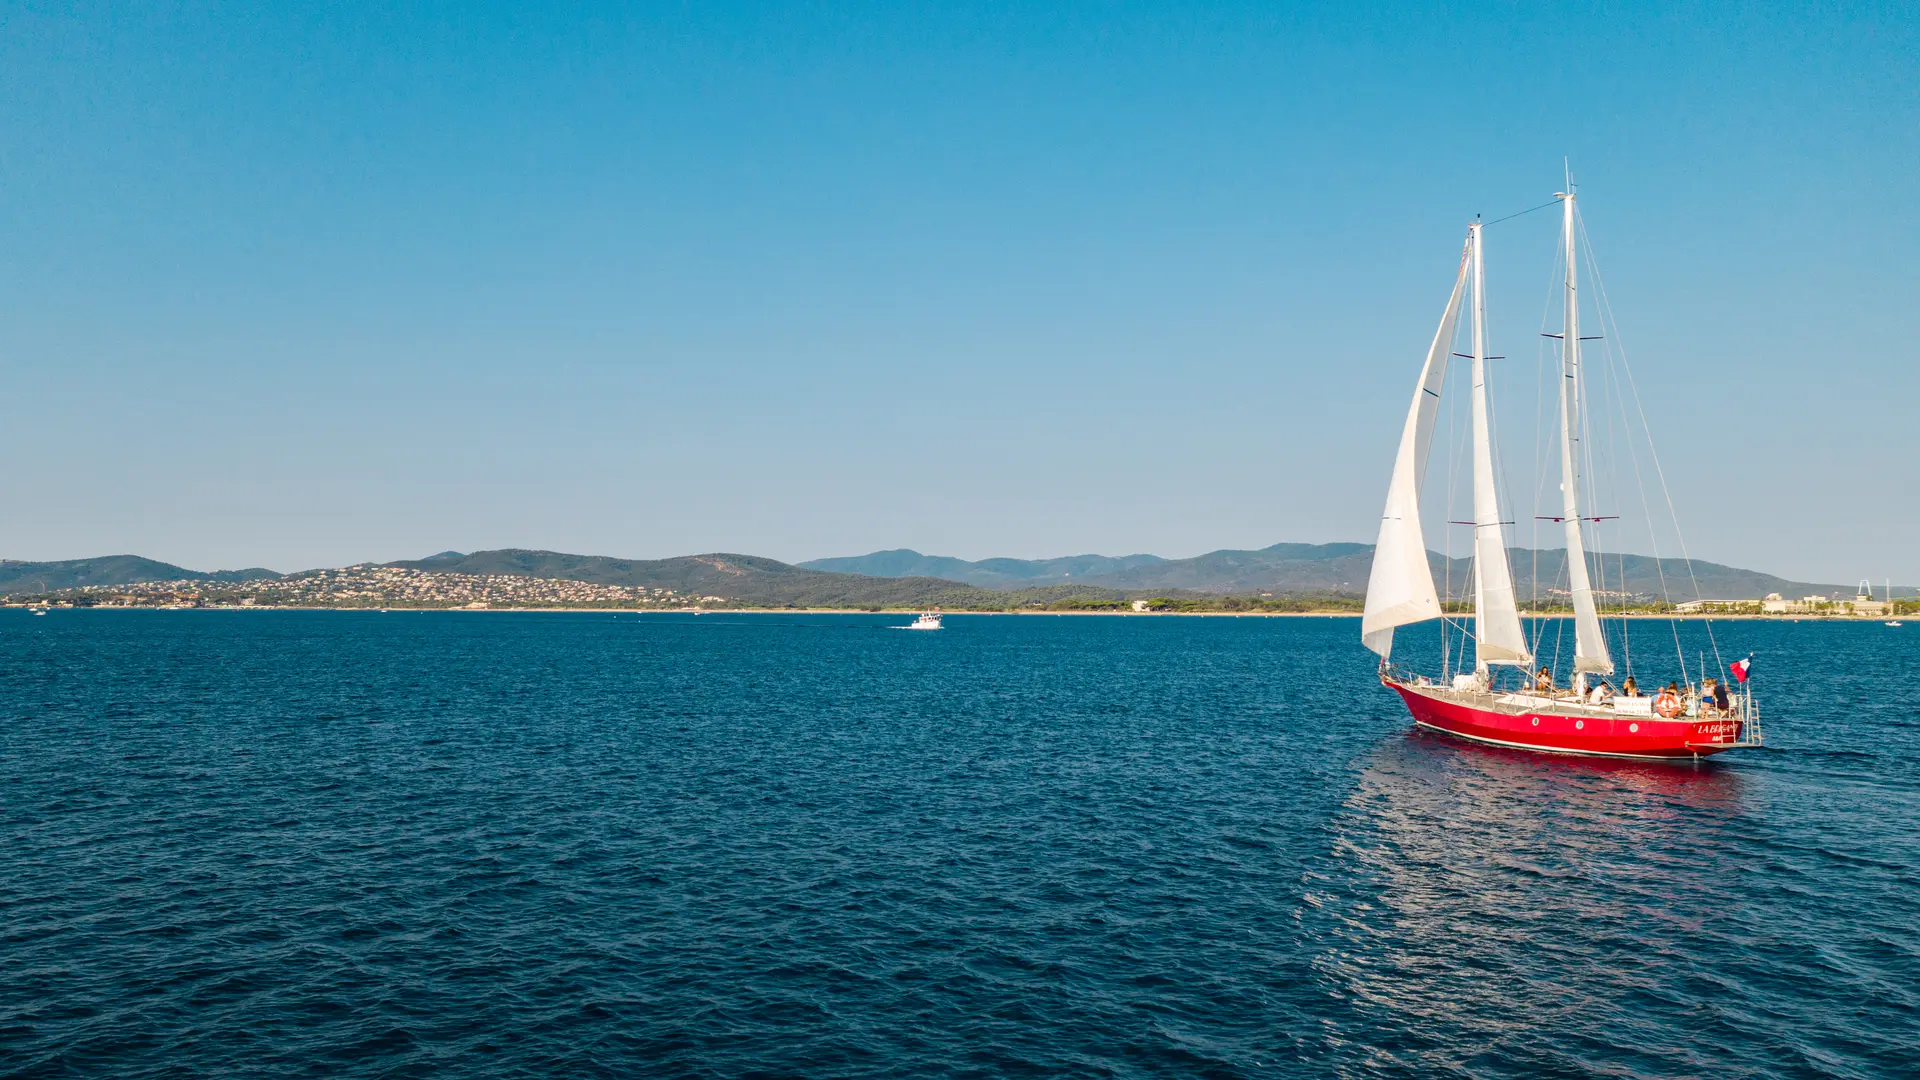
pixel 1862 606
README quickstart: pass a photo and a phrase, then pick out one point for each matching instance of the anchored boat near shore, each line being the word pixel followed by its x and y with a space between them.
pixel 1588 715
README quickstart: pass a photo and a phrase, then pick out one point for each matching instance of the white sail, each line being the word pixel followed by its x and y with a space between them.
pixel 1400 587
pixel 1498 637
pixel 1590 644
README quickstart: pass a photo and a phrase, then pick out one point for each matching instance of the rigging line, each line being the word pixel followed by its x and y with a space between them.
pixel 1626 636
pixel 1580 430
pixel 1609 391
pixel 1463 486
pixel 1560 621
pixel 1559 635
pixel 1473 583
pixel 1453 494
pixel 1613 409
pixel 1679 536
pixel 1615 360
pixel 1617 349
pixel 1590 476
pixel 1523 213
pixel 1462 635
pixel 1467 587
pixel 1540 428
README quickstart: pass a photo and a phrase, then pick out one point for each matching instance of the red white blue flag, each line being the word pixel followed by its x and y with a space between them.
pixel 1740 668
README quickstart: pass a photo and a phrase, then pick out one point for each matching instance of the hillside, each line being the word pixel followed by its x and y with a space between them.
pixel 747 579
pixel 1643 575
pixel 43 577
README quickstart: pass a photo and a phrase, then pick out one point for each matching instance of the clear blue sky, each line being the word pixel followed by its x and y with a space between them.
pixel 310 286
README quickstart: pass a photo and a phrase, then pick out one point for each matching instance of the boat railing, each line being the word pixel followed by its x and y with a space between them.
pixel 1750 721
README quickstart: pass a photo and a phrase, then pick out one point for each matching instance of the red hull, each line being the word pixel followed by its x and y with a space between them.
pixel 1575 732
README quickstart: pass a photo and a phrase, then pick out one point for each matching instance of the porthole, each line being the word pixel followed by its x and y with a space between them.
pixel 1536 721
pixel 1579 724
pixel 1633 727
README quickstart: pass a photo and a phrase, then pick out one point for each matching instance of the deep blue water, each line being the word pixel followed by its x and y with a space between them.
pixel 338 844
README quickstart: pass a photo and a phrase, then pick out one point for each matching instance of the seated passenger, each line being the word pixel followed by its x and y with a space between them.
pixel 1709 700
pixel 1667 702
pixel 1721 699
pixel 1544 681
pixel 1600 692
pixel 1630 688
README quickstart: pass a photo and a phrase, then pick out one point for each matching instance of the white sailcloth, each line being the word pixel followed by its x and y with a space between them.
pixel 1498 637
pixel 1400 586
pixel 1590 644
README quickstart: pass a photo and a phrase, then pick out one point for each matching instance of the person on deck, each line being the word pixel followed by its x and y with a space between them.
pixel 1544 681
pixel 1668 702
pixel 1630 688
pixel 1707 701
pixel 1721 699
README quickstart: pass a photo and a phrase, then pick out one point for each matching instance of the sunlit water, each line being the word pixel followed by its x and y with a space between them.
pixel 329 844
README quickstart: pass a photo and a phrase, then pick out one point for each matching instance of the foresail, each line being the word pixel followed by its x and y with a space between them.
pixel 1498 637
pixel 1400 587
pixel 1590 643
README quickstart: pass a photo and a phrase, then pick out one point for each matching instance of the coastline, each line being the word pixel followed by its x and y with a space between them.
pixel 1325 614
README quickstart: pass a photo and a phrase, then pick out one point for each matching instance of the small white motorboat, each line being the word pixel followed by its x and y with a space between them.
pixel 928 620
pixel 1893 622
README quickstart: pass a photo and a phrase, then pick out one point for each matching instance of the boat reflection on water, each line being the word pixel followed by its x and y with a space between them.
pixel 1474 898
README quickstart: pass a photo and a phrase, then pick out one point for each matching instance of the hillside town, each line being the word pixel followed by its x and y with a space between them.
pixel 374 587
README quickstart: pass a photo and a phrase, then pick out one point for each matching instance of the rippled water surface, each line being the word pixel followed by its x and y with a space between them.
pixel 442 844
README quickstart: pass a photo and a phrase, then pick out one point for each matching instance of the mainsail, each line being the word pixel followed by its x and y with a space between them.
pixel 1590 644
pixel 1400 587
pixel 1498 637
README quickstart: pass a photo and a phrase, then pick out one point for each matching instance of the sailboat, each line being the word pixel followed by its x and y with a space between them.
pixel 1588 716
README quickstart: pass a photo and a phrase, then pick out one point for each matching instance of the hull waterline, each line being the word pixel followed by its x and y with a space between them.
pixel 1575 730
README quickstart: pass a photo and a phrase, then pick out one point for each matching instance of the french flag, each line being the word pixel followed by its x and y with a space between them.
pixel 1741 668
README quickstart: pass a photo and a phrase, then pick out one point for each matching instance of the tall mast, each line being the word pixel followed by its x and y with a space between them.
pixel 1590 644
pixel 1498 638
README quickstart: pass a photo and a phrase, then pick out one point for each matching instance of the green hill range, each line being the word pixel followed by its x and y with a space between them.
pixel 17 578
pixel 1327 568
pixel 1332 574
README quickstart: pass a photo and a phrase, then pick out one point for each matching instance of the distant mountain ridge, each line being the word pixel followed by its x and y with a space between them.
pixel 1330 568
pixel 987 573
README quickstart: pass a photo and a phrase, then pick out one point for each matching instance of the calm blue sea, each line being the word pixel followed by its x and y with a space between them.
pixel 273 844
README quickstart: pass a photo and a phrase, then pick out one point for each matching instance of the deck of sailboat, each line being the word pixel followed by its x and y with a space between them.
pixel 1534 703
